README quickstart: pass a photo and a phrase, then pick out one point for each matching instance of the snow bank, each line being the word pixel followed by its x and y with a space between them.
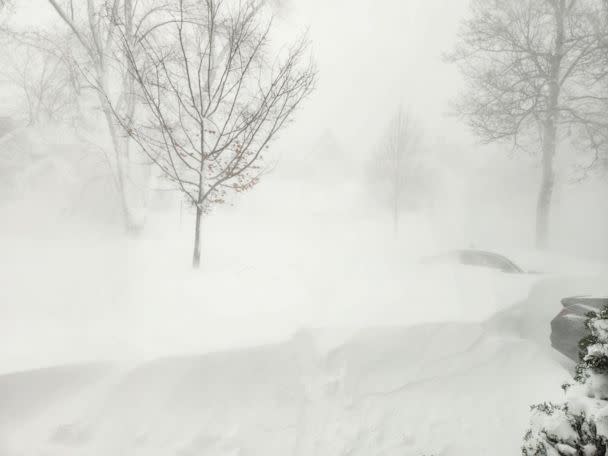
pixel 393 391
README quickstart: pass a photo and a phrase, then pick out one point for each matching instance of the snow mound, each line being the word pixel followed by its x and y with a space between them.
pixel 391 391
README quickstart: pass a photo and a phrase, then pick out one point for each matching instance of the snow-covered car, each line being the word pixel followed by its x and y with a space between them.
pixel 480 258
pixel 478 283
pixel 568 327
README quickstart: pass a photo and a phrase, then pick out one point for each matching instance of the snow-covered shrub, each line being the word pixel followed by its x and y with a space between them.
pixel 579 426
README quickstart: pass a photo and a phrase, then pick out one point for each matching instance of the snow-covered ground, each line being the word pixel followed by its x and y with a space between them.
pixel 445 389
pixel 310 330
pixel 410 359
pixel 67 300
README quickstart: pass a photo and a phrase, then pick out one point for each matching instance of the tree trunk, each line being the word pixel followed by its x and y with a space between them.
pixel 396 217
pixel 543 208
pixel 196 256
pixel 549 140
pixel 132 227
pixel 396 224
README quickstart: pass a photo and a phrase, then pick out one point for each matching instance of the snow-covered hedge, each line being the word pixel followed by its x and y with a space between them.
pixel 579 426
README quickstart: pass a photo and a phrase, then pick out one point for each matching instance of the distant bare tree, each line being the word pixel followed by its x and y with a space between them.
pixel 6 8
pixel 395 170
pixel 594 136
pixel 93 24
pixel 45 81
pixel 525 63
pixel 211 98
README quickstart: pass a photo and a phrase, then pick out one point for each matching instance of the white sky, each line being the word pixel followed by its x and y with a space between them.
pixel 374 55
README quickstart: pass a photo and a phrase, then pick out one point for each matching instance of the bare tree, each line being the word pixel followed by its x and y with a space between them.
pixel 594 137
pixel 93 23
pixel 211 98
pixel 6 8
pixel 395 170
pixel 45 81
pixel 524 63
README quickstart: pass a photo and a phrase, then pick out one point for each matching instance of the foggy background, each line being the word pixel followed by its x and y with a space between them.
pixel 312 247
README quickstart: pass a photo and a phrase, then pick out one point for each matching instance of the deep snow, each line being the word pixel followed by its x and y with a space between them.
pixel 445 389
pixel 412 359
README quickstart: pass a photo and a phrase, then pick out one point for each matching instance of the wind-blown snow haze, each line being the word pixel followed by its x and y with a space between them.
pixel 308 227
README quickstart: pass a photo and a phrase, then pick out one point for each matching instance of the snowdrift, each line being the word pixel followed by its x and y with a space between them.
pixel 445 389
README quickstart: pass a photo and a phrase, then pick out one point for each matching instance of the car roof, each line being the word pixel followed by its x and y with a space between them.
pixel 494 255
